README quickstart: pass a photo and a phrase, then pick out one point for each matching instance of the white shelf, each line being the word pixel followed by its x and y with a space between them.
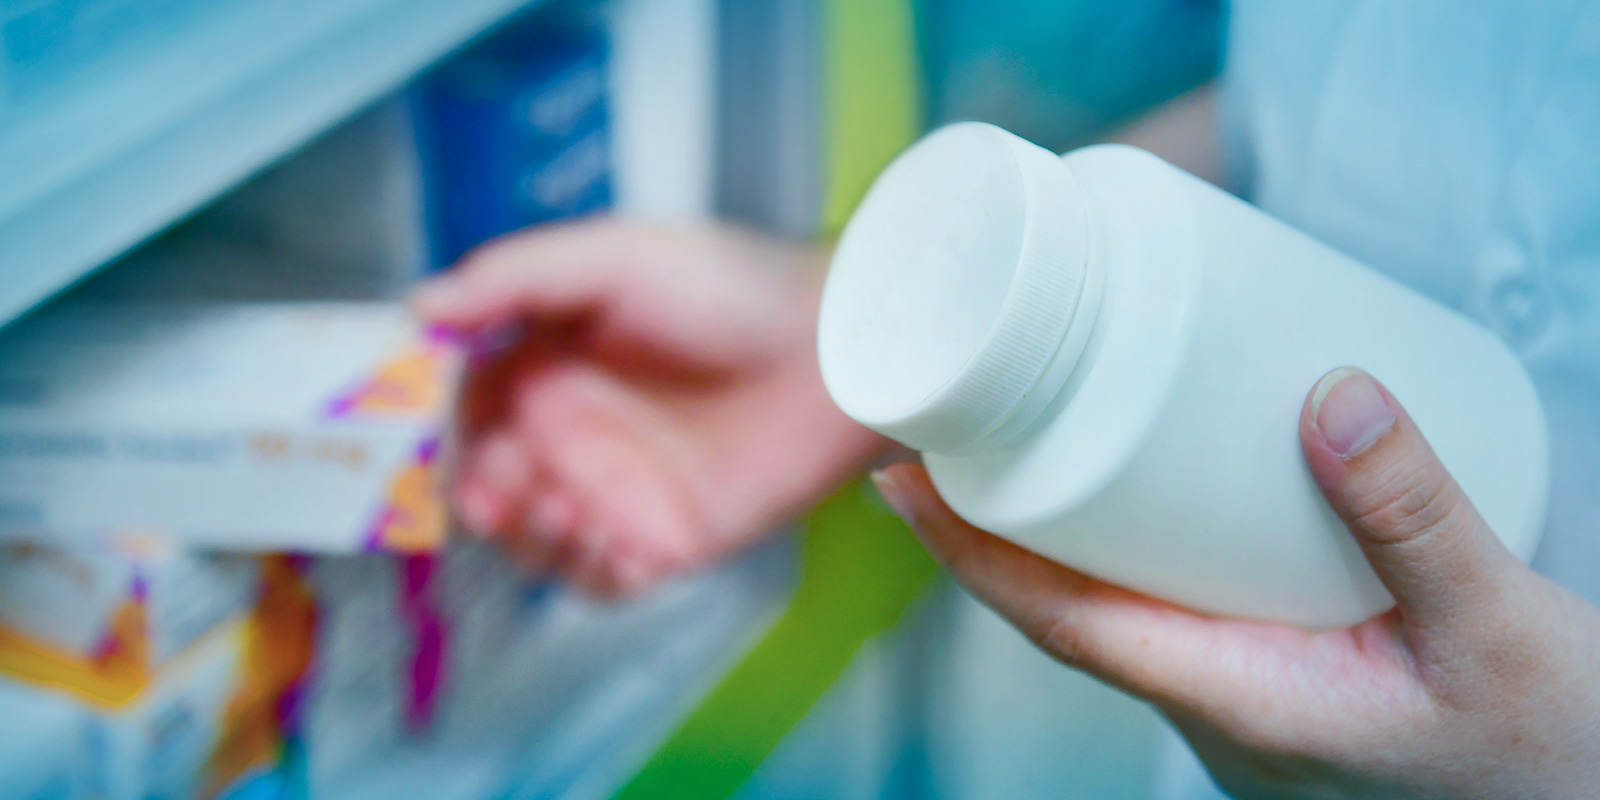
pixel 116 157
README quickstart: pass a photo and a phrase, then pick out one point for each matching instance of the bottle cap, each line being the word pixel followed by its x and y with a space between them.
pixel 953 286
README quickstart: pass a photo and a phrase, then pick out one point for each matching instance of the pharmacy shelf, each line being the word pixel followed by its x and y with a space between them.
pixel 103 163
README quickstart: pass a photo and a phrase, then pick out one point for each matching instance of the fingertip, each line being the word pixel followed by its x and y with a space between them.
pixel 467 306
pixel 492 486
pixel 587 550
pixel 894 494
pixel 909 490
pixel 438 300
pixel 1348 424
pixel 1417 528
pixel 1348 412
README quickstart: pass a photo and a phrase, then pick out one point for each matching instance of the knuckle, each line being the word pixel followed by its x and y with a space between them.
pixel 1059 637
pixel 1407 506
pixel 960 553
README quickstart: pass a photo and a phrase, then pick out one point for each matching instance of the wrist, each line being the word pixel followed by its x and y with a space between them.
pixel 805 447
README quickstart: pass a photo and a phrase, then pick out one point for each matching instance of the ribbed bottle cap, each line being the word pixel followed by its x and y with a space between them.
pixel 953 286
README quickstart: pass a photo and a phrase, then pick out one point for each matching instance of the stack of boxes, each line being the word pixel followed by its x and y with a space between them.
pixel 240 430
pixel 164 673
pixel 244 432
pixel 223 558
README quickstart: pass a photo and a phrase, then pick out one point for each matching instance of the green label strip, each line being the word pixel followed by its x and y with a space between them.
pixel 860 567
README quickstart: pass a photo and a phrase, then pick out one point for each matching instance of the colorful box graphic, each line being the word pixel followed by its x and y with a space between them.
pixel 243 426
pixel 100 622
pixel 181 674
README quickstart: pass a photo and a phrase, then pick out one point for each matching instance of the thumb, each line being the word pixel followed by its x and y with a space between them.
pixel 1423 537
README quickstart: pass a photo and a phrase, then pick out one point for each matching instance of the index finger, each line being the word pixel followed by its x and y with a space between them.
pixel 548 272
pixel 1174 658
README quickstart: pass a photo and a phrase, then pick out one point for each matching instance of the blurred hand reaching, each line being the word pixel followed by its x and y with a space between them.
pixel 659 406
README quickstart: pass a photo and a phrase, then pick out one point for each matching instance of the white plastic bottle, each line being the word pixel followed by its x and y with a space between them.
pixel 1104 358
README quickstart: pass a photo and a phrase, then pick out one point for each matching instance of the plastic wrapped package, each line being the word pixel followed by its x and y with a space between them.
pixel 399 636
pixel 102 622
pixel 177 674
pixel 538 691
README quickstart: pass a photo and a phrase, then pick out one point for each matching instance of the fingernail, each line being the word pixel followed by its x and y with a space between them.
pixel 1349 411
pixel 895 496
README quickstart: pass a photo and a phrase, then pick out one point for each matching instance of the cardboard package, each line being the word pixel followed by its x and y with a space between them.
pixel 179 674
pixel 243 426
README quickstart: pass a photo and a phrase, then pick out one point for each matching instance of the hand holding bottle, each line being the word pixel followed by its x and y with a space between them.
pixel 1482 683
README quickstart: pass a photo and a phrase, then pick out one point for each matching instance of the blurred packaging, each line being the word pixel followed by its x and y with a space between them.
pixel 102 621
pixel 131 718
pixel 39 757
pixel 398 638
pixel 512 134
pixel 247 426
pixel 387 663
pixel 453 675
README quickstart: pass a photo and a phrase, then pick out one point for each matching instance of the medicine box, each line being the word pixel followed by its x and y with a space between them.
pixel 155 673
pixel 102 621
pixel 40 755
pixel 513 133
pixel 242 426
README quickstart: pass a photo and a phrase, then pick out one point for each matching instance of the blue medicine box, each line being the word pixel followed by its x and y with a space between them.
pixel 513 133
